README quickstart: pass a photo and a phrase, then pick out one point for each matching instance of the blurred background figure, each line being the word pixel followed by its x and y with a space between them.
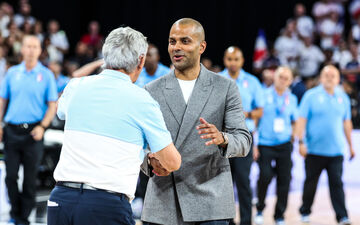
pixel 153 69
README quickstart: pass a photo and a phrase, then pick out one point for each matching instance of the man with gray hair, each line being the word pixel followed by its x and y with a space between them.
pixel 108 122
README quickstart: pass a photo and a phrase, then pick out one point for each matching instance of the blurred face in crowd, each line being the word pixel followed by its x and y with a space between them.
pixel 300 10
pixel 94 27
pixel 152 57
pixel 53 26
pixel 25 9
pixel 290 28
pixel 330 77
pixel 268 77
pixel 233 59
pixel 354 50
pixel 186 44
pixel 38 27
pixel 55 68
pixel 31 49
pixel 283 78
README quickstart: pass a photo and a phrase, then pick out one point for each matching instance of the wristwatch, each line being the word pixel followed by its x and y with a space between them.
pixel 225 137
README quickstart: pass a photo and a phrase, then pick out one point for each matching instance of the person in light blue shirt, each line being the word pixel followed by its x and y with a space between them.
pixel 109 121
pixel 61 80
pixel 325 116
pixel 275 131
pixel 153 69
pixel 29 91
pixel 252 100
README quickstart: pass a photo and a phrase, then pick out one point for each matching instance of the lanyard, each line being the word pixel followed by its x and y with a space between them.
pixel 280 108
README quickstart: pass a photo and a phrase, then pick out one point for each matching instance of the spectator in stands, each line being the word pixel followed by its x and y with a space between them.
pixel 276 130
pixel 93 39
pixel 325 141
pixel 81 56
pixel 323 8
pixel 27 28
pixel 353 93
pixel 252 102
pixel 354 34
pixel 58 39
pixel 4 18
pixel 330 30
pixel 304 24
pixel 38 30
pixel 28 114
pixel 287 46
pixel 342 55
pixel 24 15
pixel 310 58
pixel 352 69
pixel 153 69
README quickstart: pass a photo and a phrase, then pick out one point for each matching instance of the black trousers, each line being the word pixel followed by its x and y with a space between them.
pixel 314 165
pixel 240 169
pixel 21 148
pixel 280 155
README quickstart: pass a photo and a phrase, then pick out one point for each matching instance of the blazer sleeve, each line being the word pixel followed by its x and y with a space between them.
pixel 240 138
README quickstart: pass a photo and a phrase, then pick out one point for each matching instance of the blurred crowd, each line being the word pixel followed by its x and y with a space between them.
pixel 309 40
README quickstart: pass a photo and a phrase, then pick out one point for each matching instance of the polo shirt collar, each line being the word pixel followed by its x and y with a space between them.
pixel 115 74
pixel 34 70
pixel 336 91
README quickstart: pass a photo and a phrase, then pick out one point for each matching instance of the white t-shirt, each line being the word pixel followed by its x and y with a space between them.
pixel 310 60
pixel 305 26
pixel 187 87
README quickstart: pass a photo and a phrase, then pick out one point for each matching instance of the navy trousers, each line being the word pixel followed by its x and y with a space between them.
pixel 70 206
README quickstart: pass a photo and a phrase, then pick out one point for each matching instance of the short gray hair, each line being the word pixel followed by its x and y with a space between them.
pixel 122 49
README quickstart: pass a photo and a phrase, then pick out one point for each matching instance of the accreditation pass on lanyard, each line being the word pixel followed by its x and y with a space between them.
pixel 279 122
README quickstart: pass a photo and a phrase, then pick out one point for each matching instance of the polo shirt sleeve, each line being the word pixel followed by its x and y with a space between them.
pixel 305 104
pixel 347 115
pixel 5 87
pixel 259 99
pixel 51 92
pixel 295 112
pixel 153 126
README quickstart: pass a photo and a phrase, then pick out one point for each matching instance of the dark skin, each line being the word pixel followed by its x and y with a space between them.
pixel 186 44
pixel 234 61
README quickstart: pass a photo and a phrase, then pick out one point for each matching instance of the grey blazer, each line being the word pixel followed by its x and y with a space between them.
pixel 202 188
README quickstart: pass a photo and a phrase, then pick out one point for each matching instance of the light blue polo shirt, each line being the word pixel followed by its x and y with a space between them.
pixel 61 82
pixel 145 78
pixel 251 93
pixel 28 93
pixel 325 116
pixel 110 105
pixel 279 112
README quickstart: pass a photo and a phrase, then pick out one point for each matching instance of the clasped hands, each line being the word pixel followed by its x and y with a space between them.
pixel 205 130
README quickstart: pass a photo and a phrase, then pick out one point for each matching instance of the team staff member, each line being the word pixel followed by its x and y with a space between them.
pixel 325 115
pixel 30 91
pixel 153 69
pixel 108 121
pixel 252 101
pixel 276 127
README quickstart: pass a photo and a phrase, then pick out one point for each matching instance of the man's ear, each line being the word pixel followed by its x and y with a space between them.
pixel 142 62
pixel 202 47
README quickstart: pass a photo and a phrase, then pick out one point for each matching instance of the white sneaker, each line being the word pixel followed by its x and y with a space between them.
pixel 259 219
pixel 305 218
pixel 344 221
pixel 280 222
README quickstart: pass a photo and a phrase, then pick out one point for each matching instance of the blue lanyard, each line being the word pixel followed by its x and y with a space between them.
pixel 280 108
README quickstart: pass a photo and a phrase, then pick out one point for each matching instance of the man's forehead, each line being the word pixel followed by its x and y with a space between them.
pixel 183 30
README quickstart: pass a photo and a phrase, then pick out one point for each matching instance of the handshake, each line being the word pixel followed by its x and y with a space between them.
pixel 156 166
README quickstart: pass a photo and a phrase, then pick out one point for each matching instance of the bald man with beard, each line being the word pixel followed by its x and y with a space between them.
pixel 203 113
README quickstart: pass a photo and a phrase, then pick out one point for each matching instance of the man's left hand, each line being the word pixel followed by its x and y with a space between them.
pixel 210 131
pixel 38 133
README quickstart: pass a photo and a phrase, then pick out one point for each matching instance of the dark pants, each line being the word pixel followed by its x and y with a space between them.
pixel 21 148
pixel 240 169
pixel 80 206
pixel 212 222
pixel 281 156
pixel 313 167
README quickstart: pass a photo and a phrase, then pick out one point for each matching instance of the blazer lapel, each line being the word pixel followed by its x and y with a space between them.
pixel 174 98
pixel 196 103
